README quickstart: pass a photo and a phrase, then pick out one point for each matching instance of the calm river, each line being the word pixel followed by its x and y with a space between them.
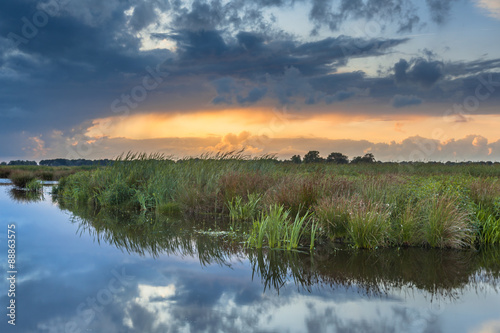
pixel 82 272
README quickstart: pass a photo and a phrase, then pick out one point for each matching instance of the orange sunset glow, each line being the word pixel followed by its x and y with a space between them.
pixel 287 124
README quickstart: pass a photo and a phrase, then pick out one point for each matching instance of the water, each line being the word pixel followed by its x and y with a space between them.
pixel 112 273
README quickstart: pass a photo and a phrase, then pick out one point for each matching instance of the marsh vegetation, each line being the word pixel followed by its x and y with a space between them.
pixel 285 205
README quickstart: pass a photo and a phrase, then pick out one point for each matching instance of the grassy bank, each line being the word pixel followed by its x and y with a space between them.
pixel 290 206
pixel 27 176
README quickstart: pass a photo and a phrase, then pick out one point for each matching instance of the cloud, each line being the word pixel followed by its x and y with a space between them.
pixel 418 71
pixel 284 68
pixel 225 88
pixel 400 101
pixel 206 52
pixel 398 127
pixel 492 6
pixel 340 96
pixel 255 95
pixel 439 9
pixel 92 53
pixel 323 13
pixel 236 142
pixel 415 148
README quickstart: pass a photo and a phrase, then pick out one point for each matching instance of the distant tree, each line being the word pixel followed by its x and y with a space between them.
pixel 367 158
pixel 313 157
pixel 296 159
pixel 3 163
pixel 337 158
pixel 78 162
pixel 19 162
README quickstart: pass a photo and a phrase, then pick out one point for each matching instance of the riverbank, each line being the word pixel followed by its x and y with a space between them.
pixel 22 175
pixel 284 205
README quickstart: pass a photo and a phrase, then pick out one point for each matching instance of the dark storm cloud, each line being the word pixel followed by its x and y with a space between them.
pixel 88 54
pixel 439 9
pixel 255 95
pixel 421 72
pixel 206 52
pixel 472 67
pixel 286 68
pixel 325 13
pixel 243 14
pixel 146 13
pixel 333 14
pixel 400 101
pixel 68 70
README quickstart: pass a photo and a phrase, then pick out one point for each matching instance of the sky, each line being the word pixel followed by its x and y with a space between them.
pixel 402 79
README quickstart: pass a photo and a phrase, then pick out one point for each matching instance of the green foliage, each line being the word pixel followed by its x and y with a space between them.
pixel 239 211
pixel 407 228
pixel 333 215
pixel 489 227
pixel 313 157
pixel 367 158
pixel 296 159
pixel 314 231
pixel 298 194
pixel 367 226
pixel 368 205
pixel 445 223
pixel 337 158
pixel 21 178
pixel 169 208
pixel 276 229
pixel 34 186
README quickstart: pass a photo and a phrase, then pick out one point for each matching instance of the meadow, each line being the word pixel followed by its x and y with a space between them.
pixel 272 204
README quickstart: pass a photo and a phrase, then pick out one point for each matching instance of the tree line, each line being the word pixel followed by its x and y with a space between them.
pixel 313 156
pixel 60 162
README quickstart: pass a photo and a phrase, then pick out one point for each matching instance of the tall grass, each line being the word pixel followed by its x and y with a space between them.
pixel 34 186
pixel 407 227
pixel 489 227
pixel 446 224
pixel 276 229
pixel 333 214
pixel 365 206
pixel 21 178
pixel 368 224
pixel 244 211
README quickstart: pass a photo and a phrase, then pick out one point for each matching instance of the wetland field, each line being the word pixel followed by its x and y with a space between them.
pixel 239 245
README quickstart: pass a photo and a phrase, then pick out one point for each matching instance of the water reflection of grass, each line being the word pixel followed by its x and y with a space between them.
pixel 441 273
pixel 24 196
pixel 368 206
pixel 150 234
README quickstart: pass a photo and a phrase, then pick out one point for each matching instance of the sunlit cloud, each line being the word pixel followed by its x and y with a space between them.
pixel 492 6
pixel 492 326
pixel 287 124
